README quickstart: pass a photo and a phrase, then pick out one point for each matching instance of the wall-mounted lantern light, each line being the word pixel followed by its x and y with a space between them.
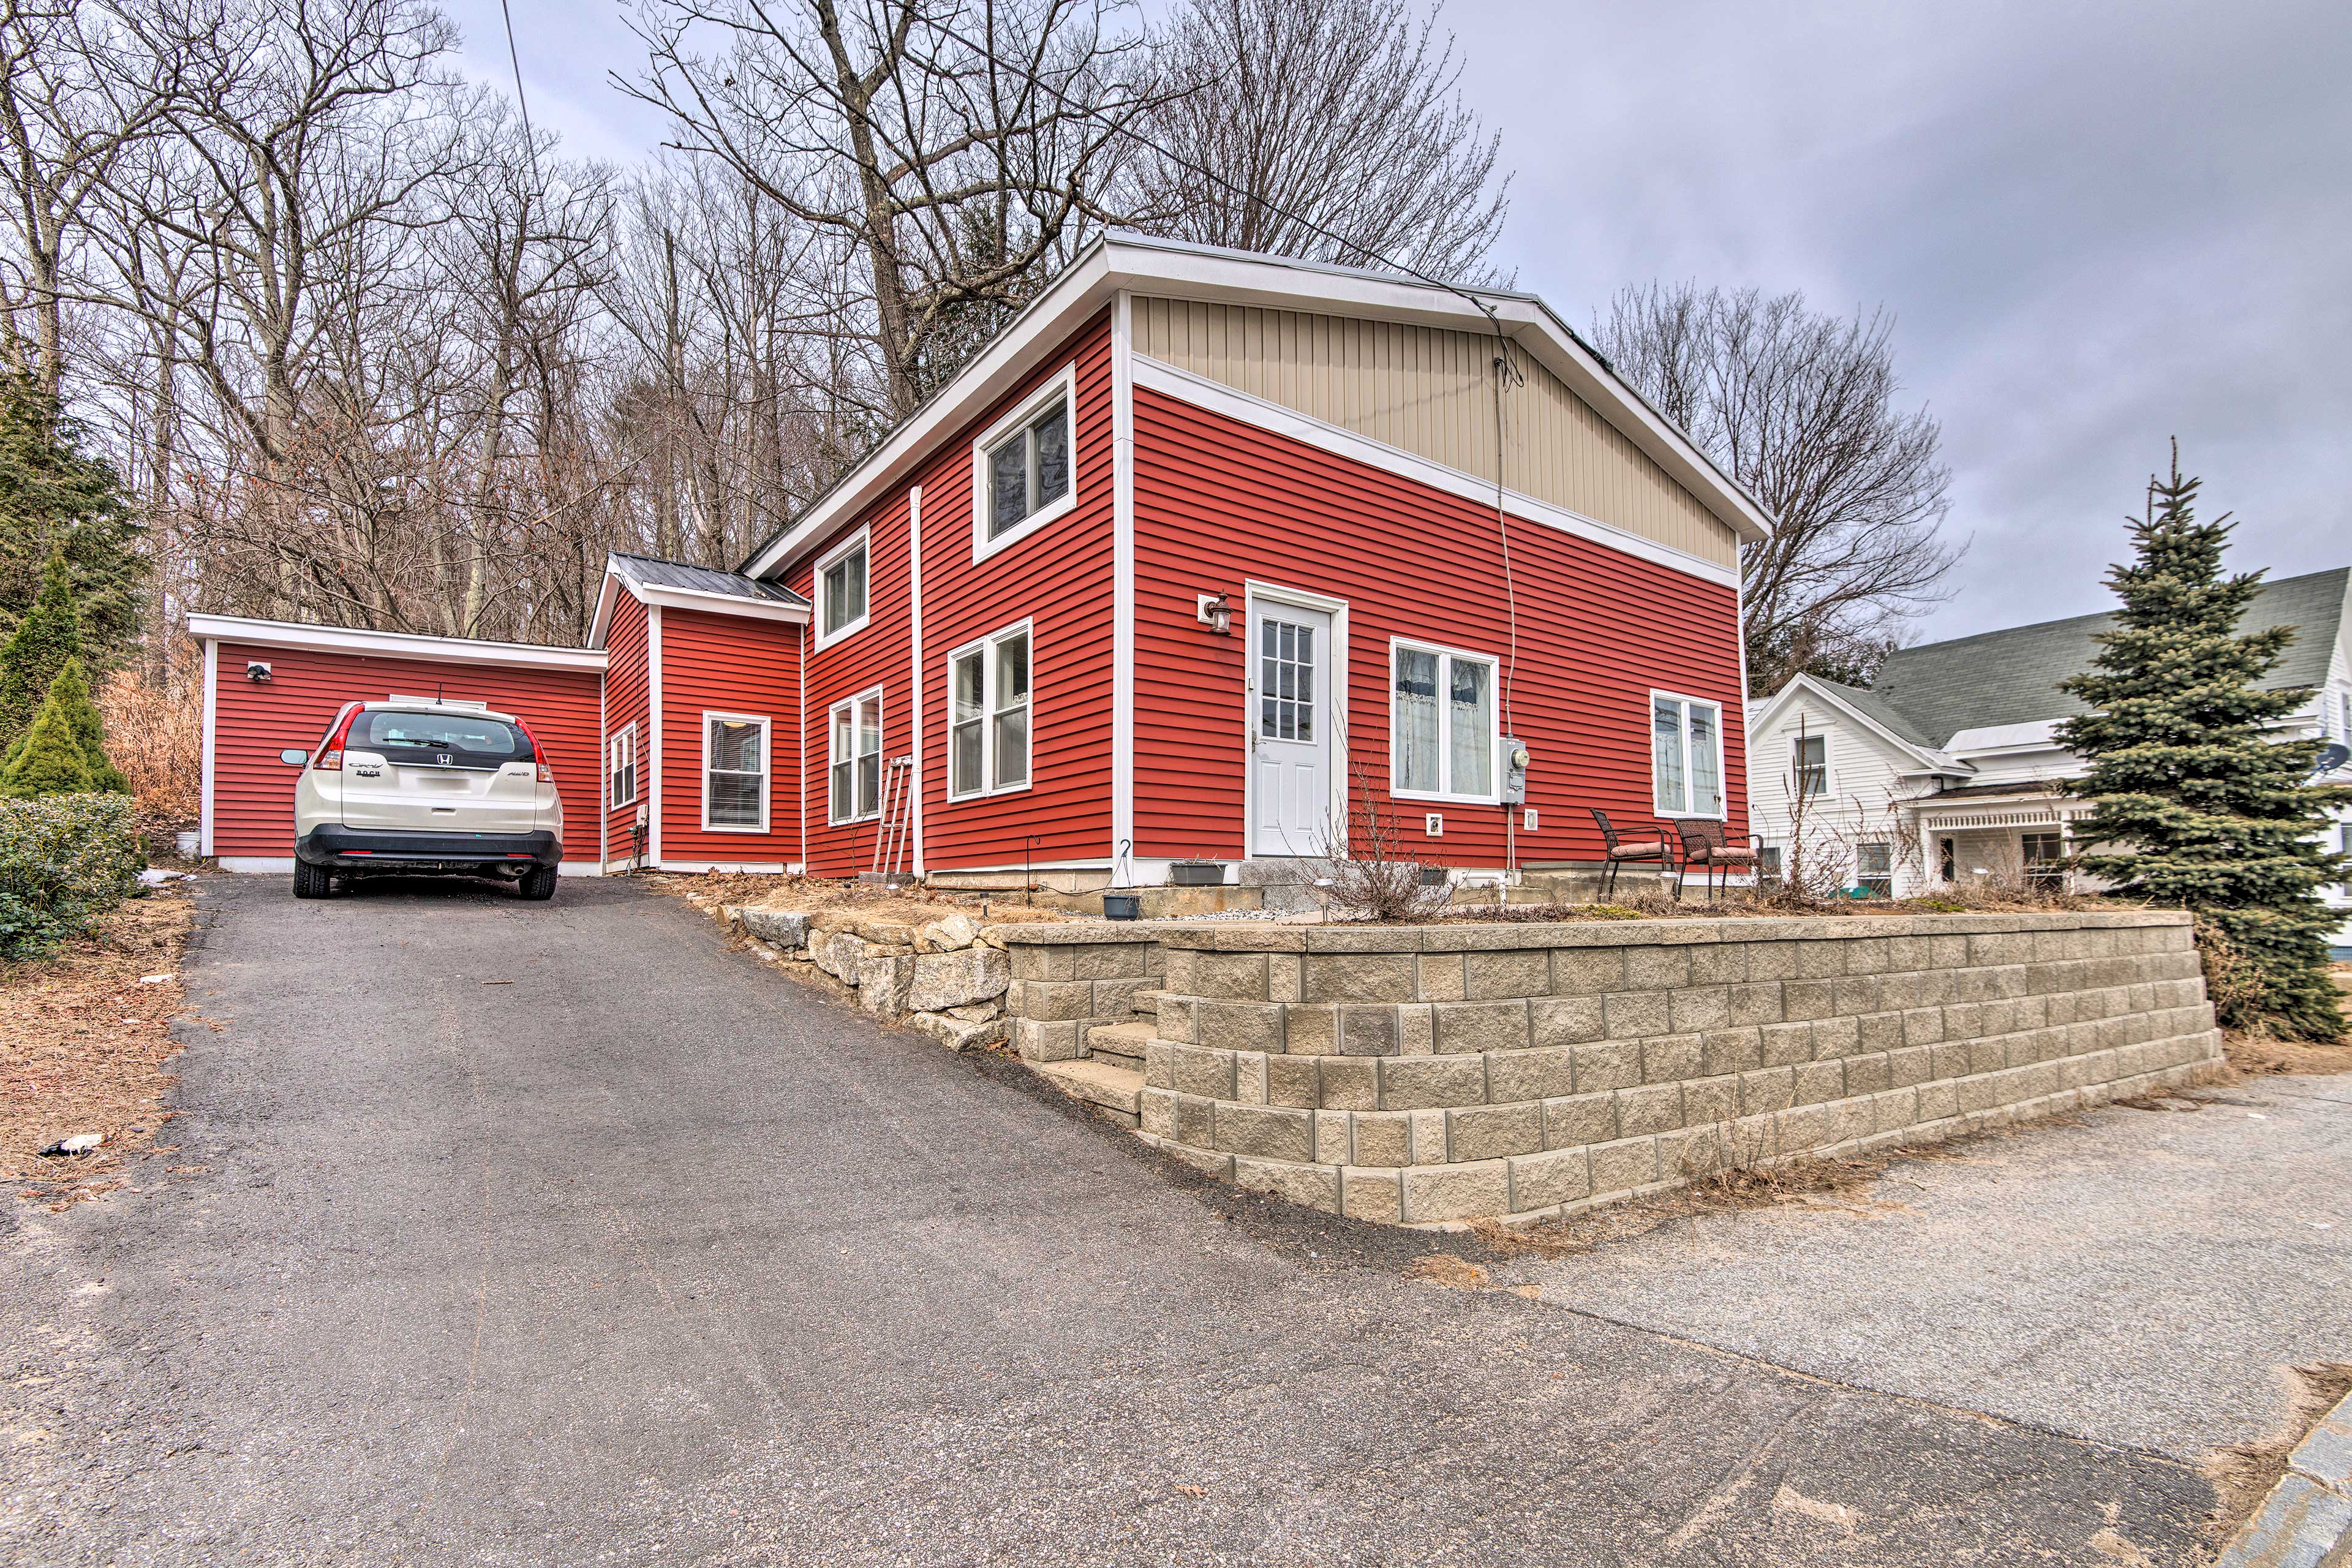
pixel 1212 612
pixel 254 670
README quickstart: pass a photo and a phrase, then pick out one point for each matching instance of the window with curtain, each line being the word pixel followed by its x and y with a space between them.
pixel 841 591
pixel 854 759
pixel 1443 723
pixel 988 715
pixel 1686 756
pixel 1810 756
pixel 734 770
pixel 1873 868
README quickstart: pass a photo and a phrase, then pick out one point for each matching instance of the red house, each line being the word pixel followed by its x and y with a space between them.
pixel 1206 556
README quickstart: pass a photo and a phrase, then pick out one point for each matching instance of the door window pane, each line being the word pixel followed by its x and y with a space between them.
pixel 1287 682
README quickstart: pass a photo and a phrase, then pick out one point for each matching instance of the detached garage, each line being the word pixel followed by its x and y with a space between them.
pixel 274 686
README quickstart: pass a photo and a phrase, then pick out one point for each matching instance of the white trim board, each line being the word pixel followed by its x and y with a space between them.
pixel 392 645
pixel 212 686
pixel 1122 593
pixel 651 593
pixel 1219 398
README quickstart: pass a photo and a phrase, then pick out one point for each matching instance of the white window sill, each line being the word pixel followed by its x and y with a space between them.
pixel 1022 788
pixel 1438 799
pixel 982 547
pixel 827 639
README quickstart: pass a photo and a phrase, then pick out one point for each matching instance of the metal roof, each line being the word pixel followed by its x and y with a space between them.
pixel 649 570
pixel 1938 689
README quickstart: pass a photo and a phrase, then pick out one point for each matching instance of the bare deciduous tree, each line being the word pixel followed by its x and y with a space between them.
pixel 1333 129
pixel 957 147
pixel 1799 408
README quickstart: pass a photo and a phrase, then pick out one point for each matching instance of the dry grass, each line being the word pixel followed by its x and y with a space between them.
pixel 83 1046
pixel 155 734
pixel 2243 1476
pixel 1740 903
pixel 832 894
pixel 2255 1053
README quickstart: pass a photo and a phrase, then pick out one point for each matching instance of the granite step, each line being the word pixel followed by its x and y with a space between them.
pixel 1116 1090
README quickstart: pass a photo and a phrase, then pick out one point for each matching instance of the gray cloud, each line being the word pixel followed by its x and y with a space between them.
pixel 2098 224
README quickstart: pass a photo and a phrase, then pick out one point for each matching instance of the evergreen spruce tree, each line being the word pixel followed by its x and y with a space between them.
pixel 56 500
pixel 48 635
pixel 71 693
pixel 50 762
pixel 2197 805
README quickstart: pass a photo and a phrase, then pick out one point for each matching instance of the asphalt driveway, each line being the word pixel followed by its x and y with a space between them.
pixel 556 1234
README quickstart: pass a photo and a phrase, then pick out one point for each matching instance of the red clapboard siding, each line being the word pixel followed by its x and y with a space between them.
pixel 1059 578
pixel 625 696
pixel 253 792
pixel 1217 502
pixel 735 664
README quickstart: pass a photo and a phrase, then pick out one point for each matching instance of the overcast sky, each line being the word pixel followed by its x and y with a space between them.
pixel 2097 225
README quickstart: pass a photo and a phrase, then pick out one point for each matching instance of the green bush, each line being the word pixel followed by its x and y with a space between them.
pixel 65 859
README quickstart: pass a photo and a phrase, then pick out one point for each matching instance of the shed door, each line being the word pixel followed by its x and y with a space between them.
pixel 1290 729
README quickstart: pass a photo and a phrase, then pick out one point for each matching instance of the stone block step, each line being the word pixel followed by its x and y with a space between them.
pixel 1117 1090
pixel 1147 1004
pixel 1121 1045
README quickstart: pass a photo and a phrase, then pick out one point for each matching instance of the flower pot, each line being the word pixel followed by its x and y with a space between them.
pixel 1197 874
pixel 1122 906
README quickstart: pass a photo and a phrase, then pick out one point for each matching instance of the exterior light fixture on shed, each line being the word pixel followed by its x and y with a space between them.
pixel 256 671
pixel 1212 611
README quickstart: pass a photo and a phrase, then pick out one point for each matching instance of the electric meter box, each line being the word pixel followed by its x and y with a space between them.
pixel 1516 759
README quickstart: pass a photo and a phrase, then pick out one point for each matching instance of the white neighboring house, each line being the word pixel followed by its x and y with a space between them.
pixel 1945 770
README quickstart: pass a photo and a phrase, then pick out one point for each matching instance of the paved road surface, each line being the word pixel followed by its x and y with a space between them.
pixel 649 1257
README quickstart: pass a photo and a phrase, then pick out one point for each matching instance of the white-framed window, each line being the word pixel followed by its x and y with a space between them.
pixel 1809 763
pixel 621 766
pixel 1686 755
pixel 1023 471
pixel 841 575
pixel 854 759
pixel 989 684
pixel 1873 868
pixel 1444 723
pixel 735 773
pixel 1767 864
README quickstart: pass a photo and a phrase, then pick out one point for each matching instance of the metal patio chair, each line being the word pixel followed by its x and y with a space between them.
pixel 1705 847
pixel 1621 851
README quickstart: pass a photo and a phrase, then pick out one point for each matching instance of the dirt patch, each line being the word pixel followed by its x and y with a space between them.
pixel 835 894
pixel 84 1037
pixel 1445 1269
pixel 2243 1476
pixel 2256 1055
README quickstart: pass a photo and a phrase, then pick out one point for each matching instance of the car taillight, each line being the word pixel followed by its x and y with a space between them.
pixel 546 774
pixel 331 755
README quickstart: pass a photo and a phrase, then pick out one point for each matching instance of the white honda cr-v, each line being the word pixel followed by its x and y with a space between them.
pixel 421 785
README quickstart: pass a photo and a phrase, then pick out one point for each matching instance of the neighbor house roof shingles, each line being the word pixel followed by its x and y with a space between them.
pixel 2011 677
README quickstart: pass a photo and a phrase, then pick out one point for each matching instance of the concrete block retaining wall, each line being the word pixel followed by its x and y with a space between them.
pixel 1454 1072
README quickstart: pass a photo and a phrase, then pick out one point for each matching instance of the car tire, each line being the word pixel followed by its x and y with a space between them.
pixel 312 881
pixel 538 884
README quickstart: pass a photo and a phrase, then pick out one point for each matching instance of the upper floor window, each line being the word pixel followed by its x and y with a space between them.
pixel 988 715
pixel 1022 476
pixel 841 589
pixel 1443 723
pixel 1686 755
pixel 1809 758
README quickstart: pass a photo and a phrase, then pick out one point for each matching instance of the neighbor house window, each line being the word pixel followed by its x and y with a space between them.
pixel 841 590
pixel 735 772
pixel 621 766
pixel 988 715
pixel 1686 755
pixel 1873 868
pixel 1948 860
pixel 853 774
pixel 2045 859
pixel 1768 864
pixel 1810 758
pixel 1021 468
pixel 1444 724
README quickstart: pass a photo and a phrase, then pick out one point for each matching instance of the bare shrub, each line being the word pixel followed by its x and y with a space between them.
pixel 155 734
pixel 1369 876
pixel 2234 982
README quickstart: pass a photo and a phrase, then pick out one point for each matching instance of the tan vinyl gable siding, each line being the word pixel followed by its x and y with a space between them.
pixel 1429 391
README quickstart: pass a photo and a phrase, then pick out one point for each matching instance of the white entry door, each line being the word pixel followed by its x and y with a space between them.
pixel 1290 729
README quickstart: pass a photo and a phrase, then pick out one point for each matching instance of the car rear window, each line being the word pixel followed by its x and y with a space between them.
pixel 467 739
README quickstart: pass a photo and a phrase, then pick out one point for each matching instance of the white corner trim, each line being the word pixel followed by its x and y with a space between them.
pixel 1218 398
pixel 860 539
pixel 393 645
pixel 915 662
pixel 652 792
pixel 1062 386
pixel 1122 593
pixel 767 769
pixel 212 687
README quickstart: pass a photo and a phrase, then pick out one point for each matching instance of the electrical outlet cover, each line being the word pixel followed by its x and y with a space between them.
pixel 1432 825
